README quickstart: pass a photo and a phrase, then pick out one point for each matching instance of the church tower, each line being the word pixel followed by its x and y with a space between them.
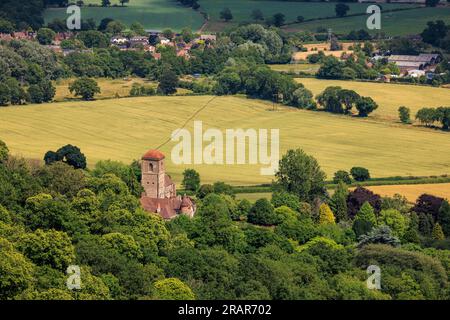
pixel 153 174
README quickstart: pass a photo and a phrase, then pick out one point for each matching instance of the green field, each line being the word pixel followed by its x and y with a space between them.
pixel 123 129
pixel 308 68
pixel 242 9
pixel 389 96
pixel 152 14
pixel 392 23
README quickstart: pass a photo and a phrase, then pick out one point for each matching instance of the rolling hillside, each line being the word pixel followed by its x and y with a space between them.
pixel 123 129
pixel 388 96
pixel 152 14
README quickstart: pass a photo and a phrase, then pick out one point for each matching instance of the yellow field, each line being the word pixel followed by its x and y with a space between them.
pixel 389 96
pixel 123 129
pixel 313 48
pixel 413 191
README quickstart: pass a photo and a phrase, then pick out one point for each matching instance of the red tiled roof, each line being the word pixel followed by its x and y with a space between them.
pixel 153 155
pixel 168 207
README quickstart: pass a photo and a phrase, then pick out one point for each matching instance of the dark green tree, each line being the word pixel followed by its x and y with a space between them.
pixel 365 105
pixel 226 14
pixel 168 82
pixel 262 213
pixel 300 174
pixel 341 10
pixel 84 87
pixel 360 173
pixel 191 180
pixel 404 115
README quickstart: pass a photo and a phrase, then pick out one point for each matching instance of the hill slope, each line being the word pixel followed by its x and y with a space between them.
pixel 123 129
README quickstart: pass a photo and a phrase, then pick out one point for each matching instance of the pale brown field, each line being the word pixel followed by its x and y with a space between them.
pixel 413 191
pixel 325 48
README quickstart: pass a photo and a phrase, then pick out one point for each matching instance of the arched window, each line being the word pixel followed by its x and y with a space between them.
pixel 150 167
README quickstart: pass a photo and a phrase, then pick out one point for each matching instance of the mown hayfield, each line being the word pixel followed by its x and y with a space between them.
pixel 242 9
pixel 412 192
pixel 152 14
pixel 389 96
pixel 392 23
pixel 252 197
pixel 110 88
pixel 296 68
pixel 123 129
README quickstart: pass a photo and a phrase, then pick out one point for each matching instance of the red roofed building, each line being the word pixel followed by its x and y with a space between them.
pixel 160 195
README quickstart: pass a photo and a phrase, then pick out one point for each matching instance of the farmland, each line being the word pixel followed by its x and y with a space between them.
pixel 412 192
pixel 109 88
pixel 392 23
pixel 152 14
pixel 122 129
pixel 160 14
pixel 241 10
pixel 296 68
pixel 388 96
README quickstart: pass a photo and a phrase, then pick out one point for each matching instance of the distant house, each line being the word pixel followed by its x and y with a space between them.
pixel 208 37
pixel 119 40
pixel 183 53
pixel 17 36
pixel 66 52
pixel 416 73
pixel 139 40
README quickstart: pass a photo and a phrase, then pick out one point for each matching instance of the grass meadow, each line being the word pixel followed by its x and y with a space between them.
pixel 392 23
pixel 308 68
pixel 123 129
pixel 152 14
pixel 242 9
pixel 389 96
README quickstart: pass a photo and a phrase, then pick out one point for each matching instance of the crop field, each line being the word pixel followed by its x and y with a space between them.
pixel 123 129
pixel 152 14
pixel 389 96
pixel 242 9
pixel 392 23
pixel 412 192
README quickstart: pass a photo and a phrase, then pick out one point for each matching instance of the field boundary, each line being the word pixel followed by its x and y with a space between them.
pixel 330 185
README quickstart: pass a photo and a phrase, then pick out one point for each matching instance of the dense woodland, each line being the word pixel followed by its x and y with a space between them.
pixel 302 244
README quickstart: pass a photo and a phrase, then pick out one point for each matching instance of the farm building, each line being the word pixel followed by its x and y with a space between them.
pixel 407 63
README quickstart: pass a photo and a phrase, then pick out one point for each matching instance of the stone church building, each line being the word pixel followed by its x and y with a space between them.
pixel 160 194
